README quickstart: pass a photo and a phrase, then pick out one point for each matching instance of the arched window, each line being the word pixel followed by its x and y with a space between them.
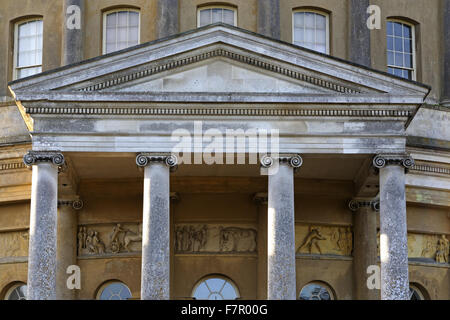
pixel 215 288
pixel 316 291
pixel 401 60
pixel 310 29
pixel 120 29
pixel 114 290
pixel 213 14
pixel 416 292
pixel 17 291
pixel 28 48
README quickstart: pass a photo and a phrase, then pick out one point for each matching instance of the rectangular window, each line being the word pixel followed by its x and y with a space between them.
pixel 310 30
pixel 27 48
pixel 216 14
pixel 400 50
pixel 120 30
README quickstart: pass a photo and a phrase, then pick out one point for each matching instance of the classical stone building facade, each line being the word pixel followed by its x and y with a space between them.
pixel 334 182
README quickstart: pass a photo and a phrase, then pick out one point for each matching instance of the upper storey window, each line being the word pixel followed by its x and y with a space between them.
pixel 120 30
pixel 400 50
pixel 209 15
pixel 27 48
pixel 310 30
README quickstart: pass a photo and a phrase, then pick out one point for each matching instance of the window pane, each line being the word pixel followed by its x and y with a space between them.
pixel 321 37
pixel 399 59
pixel 309 21
pixel 390 43
pixel 122 19
pixel 133 36
pixel 133 19
pixel 398 44
pixel 299 20
pixel 320 22
pixel 216 15
pixel 406 31
pixel 408 61
pixel 398 29
pixel 228 16
pixel 111 20
pixel 390 28
pixel 205 17
pixel 407 45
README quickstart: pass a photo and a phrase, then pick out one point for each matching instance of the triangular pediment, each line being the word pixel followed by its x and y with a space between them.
pixel 218 59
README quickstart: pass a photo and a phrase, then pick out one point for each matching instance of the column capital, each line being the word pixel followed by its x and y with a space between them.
pixel 294 160
pixel 75 204
pixel 382 160
pixel 260 198
pixel 355 204
pixel 144 159
pixel 33 157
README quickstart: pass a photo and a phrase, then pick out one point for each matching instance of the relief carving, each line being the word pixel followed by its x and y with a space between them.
pixel 428 246
pixel 121 239
pixel 442 250
pixel 14 244
pixel 324 240
pixel 214 239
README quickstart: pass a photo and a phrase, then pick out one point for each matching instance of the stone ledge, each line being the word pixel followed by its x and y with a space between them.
pixel 10 260
pixel 322 257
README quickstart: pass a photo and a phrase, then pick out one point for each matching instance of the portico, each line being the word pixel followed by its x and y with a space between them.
pixel 115 113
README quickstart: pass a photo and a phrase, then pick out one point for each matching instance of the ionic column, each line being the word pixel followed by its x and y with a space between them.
pixel 66 252
pixel 281 284
pixel 43 224
pixel 393 230
pixel 73 27
pixel 155 281
pixel 365 245
pixel 269 18
pixel 167 18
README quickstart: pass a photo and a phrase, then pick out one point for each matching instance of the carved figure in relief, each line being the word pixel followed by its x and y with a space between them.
pixel 81 242
pixel 428 250
pixel 199 239
pixel 89 242
pixel 312 239
pixel 442 250
pixel 115 244
pixel 98 245
pixel 179 239
pixel 230 239
pixel 131 236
